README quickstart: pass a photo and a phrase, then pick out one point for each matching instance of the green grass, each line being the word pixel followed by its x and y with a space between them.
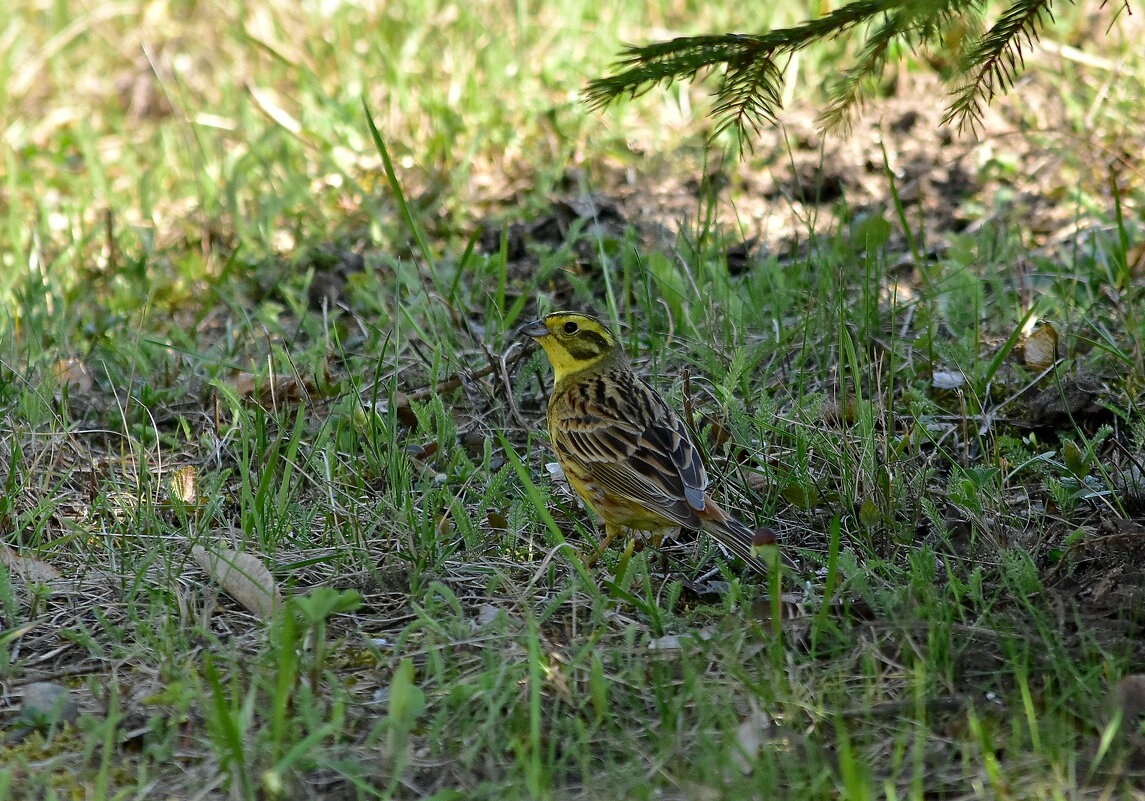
pixel 965 590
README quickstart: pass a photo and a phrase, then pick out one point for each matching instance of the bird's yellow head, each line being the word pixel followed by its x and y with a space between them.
pixel 572 341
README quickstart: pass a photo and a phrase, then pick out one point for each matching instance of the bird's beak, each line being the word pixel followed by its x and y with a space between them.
pixel 535 329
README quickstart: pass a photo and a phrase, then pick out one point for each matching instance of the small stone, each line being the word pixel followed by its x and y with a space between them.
pixel 47 705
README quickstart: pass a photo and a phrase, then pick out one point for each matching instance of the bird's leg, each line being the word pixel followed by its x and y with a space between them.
pixel 656 539
pixel 611 532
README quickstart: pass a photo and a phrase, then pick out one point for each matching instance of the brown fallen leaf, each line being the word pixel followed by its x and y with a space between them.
pixel 400 403
pixel 242 576
pixel 183 485
pixel 1040 349
pixel 1127 699
pixel 1070 399
pixel 73 374
pixel 405 414
pixel 422 452
pixel 718 436
pixel 32 571
pixel 277 388
pixel 1135 258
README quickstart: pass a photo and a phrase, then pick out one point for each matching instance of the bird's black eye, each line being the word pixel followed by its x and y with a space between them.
pixel 571 327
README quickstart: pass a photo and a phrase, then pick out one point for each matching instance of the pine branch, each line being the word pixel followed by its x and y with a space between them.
pixel 749 62
pixel 748 95
pixel 916 25
pixel 996 59
pixel 665 62
pixel 847 93
pixel 748 92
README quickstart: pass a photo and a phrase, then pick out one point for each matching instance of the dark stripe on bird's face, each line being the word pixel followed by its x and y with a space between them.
pixel 585 345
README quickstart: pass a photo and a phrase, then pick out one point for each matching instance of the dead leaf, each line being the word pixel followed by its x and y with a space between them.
pixel 278 388
pixel 32 571
pixel 405 414
pixel 183 485
pixel 947 379
pixel 422 452
pixel 752 733
pixel 1040 349
pixel 400 403
pixel 243 384
pixel 676 642
pixel 838 412
pixel 473 439
pixel 803 495
pixel 242 576
pixel 1132 481
pixel 718 436
pixel 1127 696
pixel 1073 397
pixel 1135 258
pixel 73 374
pixel 486 614
pixel 669 642
pixel 758 481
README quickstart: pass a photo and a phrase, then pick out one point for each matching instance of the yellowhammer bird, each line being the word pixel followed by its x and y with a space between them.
pixel 622 448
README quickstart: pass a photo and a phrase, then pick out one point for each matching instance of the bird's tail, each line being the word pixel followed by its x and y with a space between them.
pixel 739 539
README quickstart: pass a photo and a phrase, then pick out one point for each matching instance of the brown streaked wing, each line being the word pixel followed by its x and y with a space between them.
pixel 631 443
pixel 672 438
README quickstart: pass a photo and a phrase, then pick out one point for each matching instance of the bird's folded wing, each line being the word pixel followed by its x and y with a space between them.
pixel 654 464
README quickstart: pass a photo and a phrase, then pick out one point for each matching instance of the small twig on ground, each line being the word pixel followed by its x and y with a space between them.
pixel 451 383
pixel 500 365
pixel 514 353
